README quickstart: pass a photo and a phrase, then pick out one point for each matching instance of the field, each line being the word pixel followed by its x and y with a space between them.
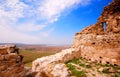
pixel 44 48
pixel 29 56
pixel 32 52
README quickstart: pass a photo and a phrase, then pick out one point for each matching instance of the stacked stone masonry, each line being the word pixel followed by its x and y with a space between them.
pixel 100 48
pixel 101 41
pixel 108 22
pixel 11 62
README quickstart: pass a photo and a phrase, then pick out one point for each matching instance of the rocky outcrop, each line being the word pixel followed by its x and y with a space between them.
pixel 11 62
pixel 53 66
pixel 101 41
pixel 99 48
pixel 109 21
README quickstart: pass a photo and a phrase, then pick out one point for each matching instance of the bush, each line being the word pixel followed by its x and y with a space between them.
pixel 106 71
pixel 79 73
pixel 82 65
pixel 88 66
pixel 70 66
pixel 115 75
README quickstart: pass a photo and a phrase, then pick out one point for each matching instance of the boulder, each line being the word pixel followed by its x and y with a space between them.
pixel 46 64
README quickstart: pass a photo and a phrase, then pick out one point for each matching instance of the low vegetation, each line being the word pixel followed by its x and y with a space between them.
pixel 30 56
pixel 83 68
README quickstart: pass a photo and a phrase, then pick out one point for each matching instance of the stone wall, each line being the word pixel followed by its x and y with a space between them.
pixel 11 62
pixel 108 22
pixel 101 42
pixel 99 48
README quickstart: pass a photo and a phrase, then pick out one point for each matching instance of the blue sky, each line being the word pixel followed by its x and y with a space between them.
pixel 46 21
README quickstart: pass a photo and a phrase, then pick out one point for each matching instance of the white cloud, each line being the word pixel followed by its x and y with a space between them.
pixel 11 10
pixel 29 27
pixel 9 35
pixel 52 10
pixel 46 33
pixel 12 29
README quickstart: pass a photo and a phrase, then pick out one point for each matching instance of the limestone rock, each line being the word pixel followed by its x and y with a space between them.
pixel 55 70
pixel 43 64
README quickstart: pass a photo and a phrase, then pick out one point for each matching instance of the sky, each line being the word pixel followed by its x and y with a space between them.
pixel 46 21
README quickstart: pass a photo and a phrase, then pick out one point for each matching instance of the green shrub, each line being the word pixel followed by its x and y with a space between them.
pixel 88 66
pixel 68 61
pixel 76 61
pixel 116 75
pixel 100 64
pixel 82 65
pixel 78 73
pixel 116 67
pixel 106 71
pixel 70 66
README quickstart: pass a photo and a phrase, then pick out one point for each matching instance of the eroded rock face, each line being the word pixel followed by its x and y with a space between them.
pixel 49 64
pixel 101 41
pixel 11 62
pixel 55 70
pixel 8 49
pixel 109 21
pixel 99 48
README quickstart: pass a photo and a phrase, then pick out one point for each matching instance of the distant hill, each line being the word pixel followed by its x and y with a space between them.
pixel 39 47
pixel 21 44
